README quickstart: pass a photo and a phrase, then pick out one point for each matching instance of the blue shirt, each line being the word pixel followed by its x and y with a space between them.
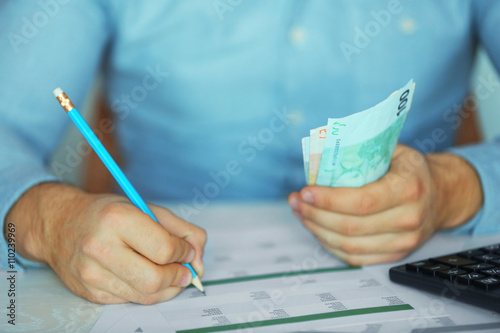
pixel 211 98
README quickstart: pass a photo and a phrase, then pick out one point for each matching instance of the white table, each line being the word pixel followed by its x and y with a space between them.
pixel 44 304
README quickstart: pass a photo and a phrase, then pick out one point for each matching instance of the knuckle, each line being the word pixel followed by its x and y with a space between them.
pixel 203 235
pixel 151 283
pixel 112 214
pixel 397 256
pixel 309 225
pixel 415 190
pixel 199 235
pixel 413 220
pixel 330 201
pixel 328 241
pixel 350 247
pixel 367 204
pixel 410 242
pixel 353 260
pixel 99 297
pixel 89 275
pixel 147 300
pixel 93 248
pixel 102 297
pixel 306 210
pixel 345 229
pixel 163 253
pixel 349 228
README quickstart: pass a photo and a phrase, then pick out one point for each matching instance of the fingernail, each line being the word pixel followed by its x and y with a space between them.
pixel 294 203
pixel 191 255
pixel 186 280
pixel 307 197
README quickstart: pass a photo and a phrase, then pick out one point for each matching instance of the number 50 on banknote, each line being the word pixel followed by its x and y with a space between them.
pixel 357 149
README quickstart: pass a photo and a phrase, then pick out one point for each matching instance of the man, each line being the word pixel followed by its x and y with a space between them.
pixel 211 99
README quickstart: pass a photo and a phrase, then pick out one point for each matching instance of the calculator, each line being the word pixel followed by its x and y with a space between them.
pixel 471 276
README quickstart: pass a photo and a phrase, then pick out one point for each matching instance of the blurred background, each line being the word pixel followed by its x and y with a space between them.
pixel 484 125
pixel 489 108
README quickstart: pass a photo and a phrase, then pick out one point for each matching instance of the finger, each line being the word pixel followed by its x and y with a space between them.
pixel 373 244
pixel 160 296
pixel 98 283
pixel 141 274
pixel 193 234
pixel 395 220
pixel 105 287
pixel 145 236
pixel 122 290
pixel 100 296
pixel 367 259
pixel 367 200
pixel 88 280
pixel 294 200
pixel 399 185
pixel 101 285
pixel 173 278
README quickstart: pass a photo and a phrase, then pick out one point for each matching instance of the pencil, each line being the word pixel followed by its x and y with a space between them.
pixel 108 161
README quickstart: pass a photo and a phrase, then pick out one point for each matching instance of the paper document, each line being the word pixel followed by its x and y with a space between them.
pixel 262 275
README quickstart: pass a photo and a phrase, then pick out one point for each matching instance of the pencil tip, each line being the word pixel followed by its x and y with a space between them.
pixel 197 283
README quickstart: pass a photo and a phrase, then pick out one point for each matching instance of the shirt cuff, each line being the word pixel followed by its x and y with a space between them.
pixel 485 158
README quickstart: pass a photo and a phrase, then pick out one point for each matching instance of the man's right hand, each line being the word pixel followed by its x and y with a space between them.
pixel 103 247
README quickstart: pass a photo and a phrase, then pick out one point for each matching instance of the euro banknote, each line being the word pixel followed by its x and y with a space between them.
pixel 357 149
pixel 316 146
pixel 305 153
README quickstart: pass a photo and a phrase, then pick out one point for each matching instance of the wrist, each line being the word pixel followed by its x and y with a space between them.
pixel 458 190
pixel 38 213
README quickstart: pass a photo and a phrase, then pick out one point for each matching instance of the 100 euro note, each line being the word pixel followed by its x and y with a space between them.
pixel 358 148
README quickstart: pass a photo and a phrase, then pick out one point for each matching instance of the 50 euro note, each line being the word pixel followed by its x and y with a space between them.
pixel 358 148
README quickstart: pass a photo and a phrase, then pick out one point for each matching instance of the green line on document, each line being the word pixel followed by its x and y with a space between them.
pixel 277 275
pixel 298 319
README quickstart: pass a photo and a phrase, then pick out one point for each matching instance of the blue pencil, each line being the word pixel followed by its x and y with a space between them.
pixel 108 161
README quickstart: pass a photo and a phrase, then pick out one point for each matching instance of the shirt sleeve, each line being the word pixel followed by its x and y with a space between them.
pixel 45 44
pixel 485 158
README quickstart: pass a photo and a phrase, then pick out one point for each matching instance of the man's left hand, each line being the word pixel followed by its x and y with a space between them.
pixel 385 220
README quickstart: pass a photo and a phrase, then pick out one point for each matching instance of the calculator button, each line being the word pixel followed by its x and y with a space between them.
pixel 487 283
pixel 453 260
pixel 491 248
pixel 433 270
pixel 486 257
pixel 478 267
pixel 495 262
pixel 469 277
pixel 451 274
pixel 470 253
pixel 491 272
pixel 416 266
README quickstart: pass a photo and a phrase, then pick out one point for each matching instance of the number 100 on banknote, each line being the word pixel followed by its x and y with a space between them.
pixel 357 149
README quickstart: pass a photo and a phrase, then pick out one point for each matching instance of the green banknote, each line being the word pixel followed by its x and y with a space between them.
pixel 358 148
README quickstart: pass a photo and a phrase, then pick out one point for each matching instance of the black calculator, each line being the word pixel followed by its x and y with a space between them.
pixel 471 276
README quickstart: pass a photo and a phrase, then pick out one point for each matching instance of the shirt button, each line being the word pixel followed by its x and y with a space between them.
pixel 297 35
pixel 295 116
pixel 408 25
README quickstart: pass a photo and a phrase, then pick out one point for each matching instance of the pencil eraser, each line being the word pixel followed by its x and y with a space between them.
pixel 58 91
